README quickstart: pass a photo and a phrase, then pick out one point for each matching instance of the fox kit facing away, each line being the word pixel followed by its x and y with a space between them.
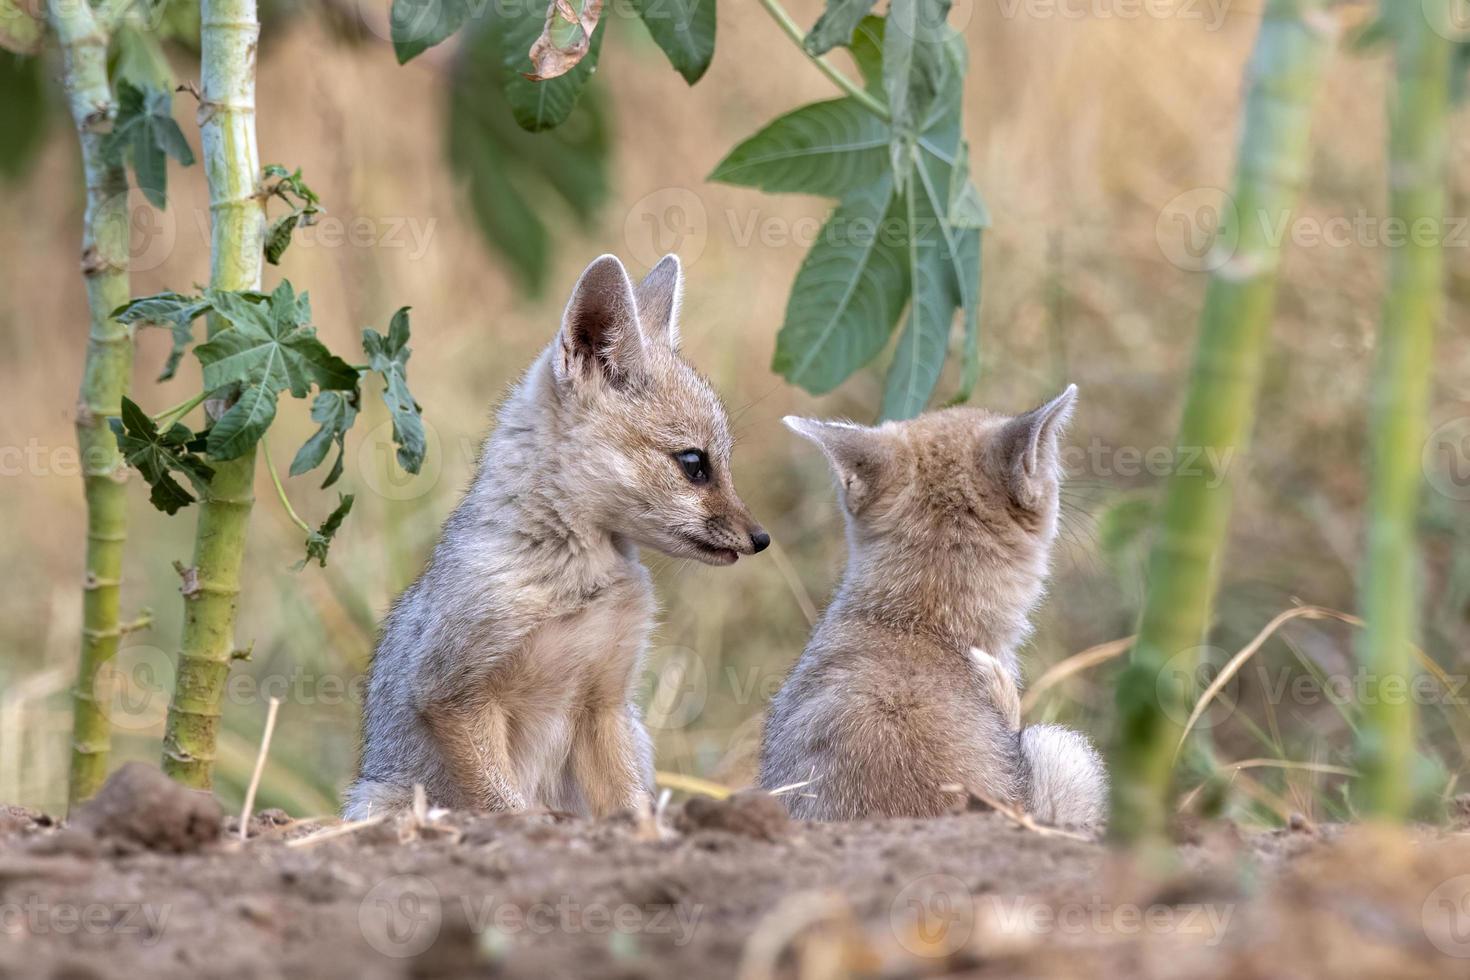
pixel 909 682
pixel 503 676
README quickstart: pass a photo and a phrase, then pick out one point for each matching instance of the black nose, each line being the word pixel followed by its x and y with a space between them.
pixel 759 540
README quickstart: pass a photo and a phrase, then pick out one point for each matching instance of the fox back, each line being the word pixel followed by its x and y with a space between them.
pixel 909 682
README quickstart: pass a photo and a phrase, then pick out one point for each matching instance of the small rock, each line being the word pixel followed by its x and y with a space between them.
pixel 748 813
pixel 139 805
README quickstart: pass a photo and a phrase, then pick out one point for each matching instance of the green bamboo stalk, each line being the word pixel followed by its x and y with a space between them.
pixel 105 379
pixel 1418 107
pixel 1273 155
pixel 229 32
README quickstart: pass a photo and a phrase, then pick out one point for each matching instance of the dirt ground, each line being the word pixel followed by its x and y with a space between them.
pixel 151 881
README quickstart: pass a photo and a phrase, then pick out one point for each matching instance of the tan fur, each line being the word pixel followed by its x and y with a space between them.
pixel 503 676
pixel 910 682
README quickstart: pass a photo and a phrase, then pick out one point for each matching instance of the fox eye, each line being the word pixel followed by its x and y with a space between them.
pixel 695 465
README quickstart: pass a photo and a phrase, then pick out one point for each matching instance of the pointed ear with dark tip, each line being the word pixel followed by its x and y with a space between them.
pixel 860 456
pixel 659 296
pixel 599 330
pixel 1029 450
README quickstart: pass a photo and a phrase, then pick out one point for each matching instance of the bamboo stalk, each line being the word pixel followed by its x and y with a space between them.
pixel 1273 154
pixel 229 32
pixel 1418 108
pixel 105 379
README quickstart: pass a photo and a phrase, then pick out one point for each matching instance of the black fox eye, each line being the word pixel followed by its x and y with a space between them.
pixel 695 465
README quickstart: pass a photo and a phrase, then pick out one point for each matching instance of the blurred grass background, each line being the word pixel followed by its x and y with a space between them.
pixel 1083 129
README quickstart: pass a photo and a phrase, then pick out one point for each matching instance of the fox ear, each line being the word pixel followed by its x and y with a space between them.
pixel 659 296
pixel 1029 449
pixel 599 330
pixel 860 456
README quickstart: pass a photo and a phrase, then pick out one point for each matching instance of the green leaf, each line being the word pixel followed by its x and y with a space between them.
pixel 278 237
pixel 304 204
pixel 836 25
pixel 913 30
pixel 334 411
pixel 544 104
pixel 685 30
pixel 268 349
pixel 417 25
pixel 848 294
pixel 389 358
pixel 146 132
pixel 138 58
pixel 867 52
pixel 827 148
pixel 158 455
pixel 23 111
pixel 922 346
pixel 173 310
pixel 517 182
pixel 318 541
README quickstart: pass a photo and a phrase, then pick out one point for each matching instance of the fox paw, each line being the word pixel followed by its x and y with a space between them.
pixel 997 682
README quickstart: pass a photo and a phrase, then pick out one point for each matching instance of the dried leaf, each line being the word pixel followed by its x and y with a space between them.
pixel 565 39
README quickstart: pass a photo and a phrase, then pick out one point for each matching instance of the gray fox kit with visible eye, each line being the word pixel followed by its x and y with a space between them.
pixel 503 677
pixel 909 682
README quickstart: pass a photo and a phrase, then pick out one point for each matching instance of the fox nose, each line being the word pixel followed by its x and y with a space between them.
pixel 759 541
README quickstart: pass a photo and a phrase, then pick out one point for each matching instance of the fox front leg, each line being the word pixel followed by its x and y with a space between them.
pixel 473 742
pixel 612 760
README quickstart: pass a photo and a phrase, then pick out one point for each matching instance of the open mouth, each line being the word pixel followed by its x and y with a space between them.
pixel 710 553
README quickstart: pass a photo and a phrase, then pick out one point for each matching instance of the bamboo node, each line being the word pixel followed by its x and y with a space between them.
pixel 190 576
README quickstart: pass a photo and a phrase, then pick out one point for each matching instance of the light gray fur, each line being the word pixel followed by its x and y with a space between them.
pixel 910 681
pixel 503 676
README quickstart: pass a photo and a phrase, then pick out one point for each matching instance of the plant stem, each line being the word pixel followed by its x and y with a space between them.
pixel 229 32
pixel 1416 154
pixel 105 379
pixel 1274 152
pixel 169 416
pixel 270 466
pixel 793 30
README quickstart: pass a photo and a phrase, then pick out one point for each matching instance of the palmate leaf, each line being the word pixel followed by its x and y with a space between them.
pixel 827 148
pixel 318 541
pixel 836 25
pixel 334 411
pixel 145 131
pixel 269 348
pixel 685 30
pixel 172 310
pixel 389 358
pixel 158 455
pixel 848 294
pixel 301 199
pixel 539 105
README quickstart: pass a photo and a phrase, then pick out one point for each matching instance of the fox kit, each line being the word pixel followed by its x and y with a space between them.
pixel 502 679
pixel 909 682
